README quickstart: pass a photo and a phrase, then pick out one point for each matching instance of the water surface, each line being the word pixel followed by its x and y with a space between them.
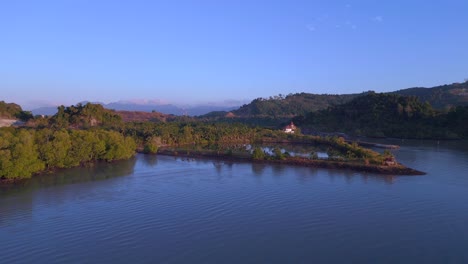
pixel 170 210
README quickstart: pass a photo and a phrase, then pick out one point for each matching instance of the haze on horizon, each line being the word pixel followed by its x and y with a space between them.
pixel 191 52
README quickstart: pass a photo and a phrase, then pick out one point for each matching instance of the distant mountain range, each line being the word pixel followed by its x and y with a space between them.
pixel 169 109
pixel 440 97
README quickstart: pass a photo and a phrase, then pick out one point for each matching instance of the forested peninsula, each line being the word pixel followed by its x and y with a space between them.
pixel 78 135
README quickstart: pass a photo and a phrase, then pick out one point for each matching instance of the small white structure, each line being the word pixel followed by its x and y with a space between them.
pixel 289 129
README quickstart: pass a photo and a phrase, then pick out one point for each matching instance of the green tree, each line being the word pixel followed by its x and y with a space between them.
pixel 21 159
pixel 278 153
pixel 151 145
pixel 258 154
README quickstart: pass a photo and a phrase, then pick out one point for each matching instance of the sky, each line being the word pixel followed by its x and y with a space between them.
pixel 197 51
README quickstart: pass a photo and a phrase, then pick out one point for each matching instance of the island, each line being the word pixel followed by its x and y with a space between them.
pixel 82 134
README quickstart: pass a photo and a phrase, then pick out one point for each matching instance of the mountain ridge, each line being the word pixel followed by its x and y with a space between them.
pixel 168 109
pixel 441 97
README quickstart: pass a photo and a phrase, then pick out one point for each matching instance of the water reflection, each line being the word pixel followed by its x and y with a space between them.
pixel 17 200
pixel 278 170
pixel 182 210
pixel 92 172
pixel 150 160
pixel 258 168
pixel 218 165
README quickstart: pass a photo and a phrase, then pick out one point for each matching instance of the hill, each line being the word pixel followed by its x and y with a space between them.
pixel 291 105
pixel 167 109
pixel 388 115
pixel 440 97
pixel 84 116
pixel 13 111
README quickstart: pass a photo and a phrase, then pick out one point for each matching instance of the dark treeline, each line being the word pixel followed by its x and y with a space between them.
pixel 389 115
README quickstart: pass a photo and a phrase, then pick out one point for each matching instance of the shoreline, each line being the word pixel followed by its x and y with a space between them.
pixel 398 169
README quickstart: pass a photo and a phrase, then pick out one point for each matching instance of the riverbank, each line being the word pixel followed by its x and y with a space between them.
pixel 372 144
pixel 397 169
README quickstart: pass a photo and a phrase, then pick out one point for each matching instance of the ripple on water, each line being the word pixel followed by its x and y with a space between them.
pixel 172 210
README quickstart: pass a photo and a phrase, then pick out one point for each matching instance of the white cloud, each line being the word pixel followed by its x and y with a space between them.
pixel 378 19
pixel 311 28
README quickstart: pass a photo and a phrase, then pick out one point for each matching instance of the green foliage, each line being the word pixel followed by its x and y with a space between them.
pixel 152 144
pixel 18 154
pixel 292 104
pixel 277 110
pixel 54 147
pixel 85 116
pixel 24 115
pixel 389 115
pixel 278 154
pixel 440 97
pixel 24 152
pixel 11 110
pixel 117 146
pixel 258 154
pixel 196 133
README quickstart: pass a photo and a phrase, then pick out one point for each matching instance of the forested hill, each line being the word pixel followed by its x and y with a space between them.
pixel 83 116
pixel 291 105
pixel 389 115
pixel 13 111
pixel 441 97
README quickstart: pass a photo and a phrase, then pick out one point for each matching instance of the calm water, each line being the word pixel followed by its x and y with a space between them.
pixel 166 210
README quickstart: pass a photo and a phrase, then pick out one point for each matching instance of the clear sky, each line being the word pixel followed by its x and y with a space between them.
pixel 197 51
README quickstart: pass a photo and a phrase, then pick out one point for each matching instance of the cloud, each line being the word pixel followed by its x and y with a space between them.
pixel 351 25
pixel 378 19
pixel 311 28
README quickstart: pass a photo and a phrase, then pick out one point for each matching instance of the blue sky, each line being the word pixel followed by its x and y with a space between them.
pixel 190 52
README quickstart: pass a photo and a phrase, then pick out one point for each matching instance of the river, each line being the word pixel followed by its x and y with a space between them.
pixel 160 209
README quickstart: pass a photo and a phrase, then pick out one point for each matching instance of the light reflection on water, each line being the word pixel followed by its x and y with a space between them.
pixel 168 209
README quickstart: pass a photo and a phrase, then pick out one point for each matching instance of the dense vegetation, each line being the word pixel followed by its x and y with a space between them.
pixel 389 115
pixel 196 133
pixel 85 116
pixel 442 97
pixel 24 152
pixel 84 133
pixel 293 104
pixel 13 111
pixel 285 106
pixel 277 110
